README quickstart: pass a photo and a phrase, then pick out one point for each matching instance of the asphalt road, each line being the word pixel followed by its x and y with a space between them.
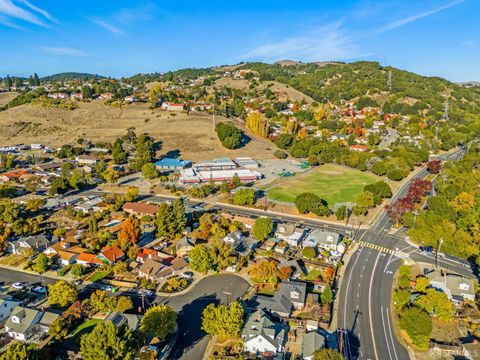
pixel 192 342
pixel 223 288
pixel 365 294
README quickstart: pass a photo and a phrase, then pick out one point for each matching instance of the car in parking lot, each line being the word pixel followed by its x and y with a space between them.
pixel 18 285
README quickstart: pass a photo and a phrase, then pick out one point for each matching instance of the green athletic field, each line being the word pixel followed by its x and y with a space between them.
pixel 334 183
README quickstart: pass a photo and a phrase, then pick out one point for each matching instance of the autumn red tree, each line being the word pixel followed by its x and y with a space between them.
pixel 434 166
pixel 129 233
pixel 396 210
pixel 418 188
pixel 285 272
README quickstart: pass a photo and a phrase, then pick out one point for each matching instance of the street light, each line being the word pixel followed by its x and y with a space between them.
pixel 438 250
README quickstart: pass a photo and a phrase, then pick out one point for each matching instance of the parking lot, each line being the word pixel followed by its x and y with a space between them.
pixel 272 167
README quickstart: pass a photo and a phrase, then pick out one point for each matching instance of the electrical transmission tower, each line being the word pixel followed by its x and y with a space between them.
pixel 389 81
pixel 445 112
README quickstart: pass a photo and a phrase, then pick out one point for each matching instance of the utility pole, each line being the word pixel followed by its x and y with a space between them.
pixel 389 81
pixel 445 112
pixel 438 250
pixel 213 119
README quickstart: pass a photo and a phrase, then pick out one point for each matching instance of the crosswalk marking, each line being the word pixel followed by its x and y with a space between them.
pixel 376 247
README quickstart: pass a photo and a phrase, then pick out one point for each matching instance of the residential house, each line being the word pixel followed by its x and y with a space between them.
pixel 171 164
pixel 243 245
pixel 111 254
pixel 146 253
pixel 359 148
pixel 140 209
pixel 37 243
pixel 154 270
pixel 86 159
pixel 6 308
pixel 166 105
pixel 290 233
pixel 91 205
pixel 458 289
pixel 60 251
pixel 14 175
pixel 318 339
pixel 27 324
pixel 311 342
pixel 297 267
pixel 108 255
pixel 324 239
pixel 184 246
pixel 132 321
pixel 291 296
pixel 261 335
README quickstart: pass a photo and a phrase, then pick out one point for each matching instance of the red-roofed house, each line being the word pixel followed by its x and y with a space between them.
pixel 145 254
pixel 13 175
pixel 172 106
pixel 140 209
pixel 111 254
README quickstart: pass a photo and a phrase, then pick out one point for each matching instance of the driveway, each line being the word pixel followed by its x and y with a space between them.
pixel 192 342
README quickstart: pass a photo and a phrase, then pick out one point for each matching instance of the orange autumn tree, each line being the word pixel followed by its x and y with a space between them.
pixel 129 233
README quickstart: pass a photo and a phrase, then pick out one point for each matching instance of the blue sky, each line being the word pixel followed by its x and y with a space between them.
pixel 122 38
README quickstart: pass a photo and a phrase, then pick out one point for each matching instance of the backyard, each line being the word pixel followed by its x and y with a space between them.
pixel 333 183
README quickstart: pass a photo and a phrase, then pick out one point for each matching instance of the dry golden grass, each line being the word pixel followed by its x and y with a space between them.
pixel 191 134
pixel 6 97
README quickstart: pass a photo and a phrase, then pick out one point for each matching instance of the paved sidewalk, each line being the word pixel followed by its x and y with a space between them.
pixel 346 259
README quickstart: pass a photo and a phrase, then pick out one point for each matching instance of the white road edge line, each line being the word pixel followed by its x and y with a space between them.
pixel 348 285
pixel 387 314
pixel 370 306
pixel 386 333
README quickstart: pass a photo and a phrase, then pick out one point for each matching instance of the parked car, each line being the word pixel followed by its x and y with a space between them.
pixel 145 292
pixel 187 275
pixel 39 290
pixel 18 285
pixel 78 282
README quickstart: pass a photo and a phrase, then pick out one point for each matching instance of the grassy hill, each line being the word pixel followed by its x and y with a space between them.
pixel 70 76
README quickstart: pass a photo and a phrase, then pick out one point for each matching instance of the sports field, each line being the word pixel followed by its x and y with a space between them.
pixel 333 183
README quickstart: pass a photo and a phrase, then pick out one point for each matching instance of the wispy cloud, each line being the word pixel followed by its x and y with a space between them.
pixel 330 42
pixel 468 43
pixel 65 51
pixel 44 13
pixel 115 22
pixel 326 43
pixel 107 26
pixel 407 20
pixel 9 10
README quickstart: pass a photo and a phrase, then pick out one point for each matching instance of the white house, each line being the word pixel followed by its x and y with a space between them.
pixel 324 239
pixel 6 308
pixel 457 288
pixel 289 233
pixel 25 323
pixel 262 335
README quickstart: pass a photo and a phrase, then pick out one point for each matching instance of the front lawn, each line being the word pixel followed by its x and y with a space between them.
pixel 99 275
pixel 86 327
pixel 331 182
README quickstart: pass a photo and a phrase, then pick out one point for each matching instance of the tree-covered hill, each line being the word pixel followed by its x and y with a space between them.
pixel 70 76
pixel 410 93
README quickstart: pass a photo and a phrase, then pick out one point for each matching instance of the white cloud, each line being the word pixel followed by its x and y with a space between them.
pixel 45 13
pixel 329 42
pixel 112 28
pixel 402 22
pixel 10 10
pixel 324 43
pixel 65 51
